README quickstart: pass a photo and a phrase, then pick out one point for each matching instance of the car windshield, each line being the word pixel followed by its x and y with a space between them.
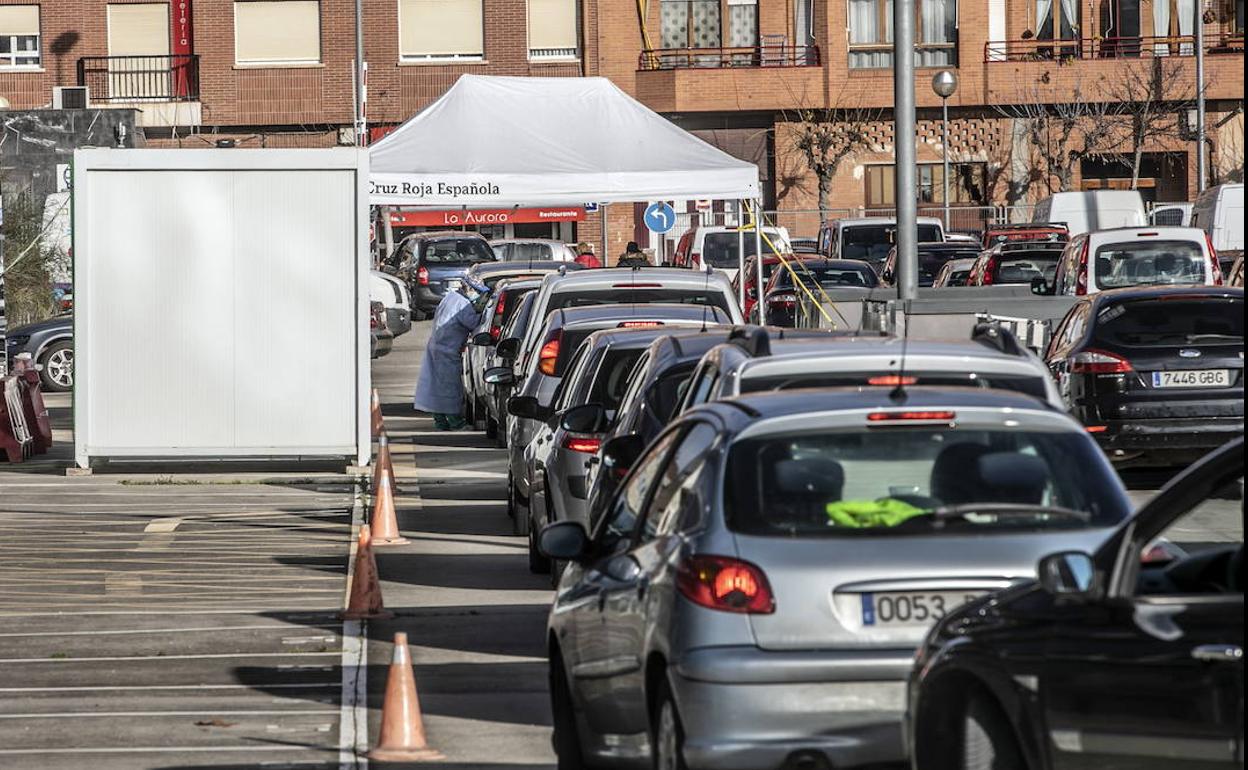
pixel 720 249
pixel 873 242
pixel 957 277
pixel 1020 266
pixel 891 481
pixel 1147 263
pixel 647 296
pixel 525 252
pixel 1169 321
pixel 829 277
pixel 1032 386
pixel 456 251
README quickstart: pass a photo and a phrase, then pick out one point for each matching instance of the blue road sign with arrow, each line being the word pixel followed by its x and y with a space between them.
pixel 660 217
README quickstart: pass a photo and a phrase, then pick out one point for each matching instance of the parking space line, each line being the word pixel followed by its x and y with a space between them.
pixel 141 687
pixel 203 656
pixel 205 712
pixel 159 749
pixel 196 629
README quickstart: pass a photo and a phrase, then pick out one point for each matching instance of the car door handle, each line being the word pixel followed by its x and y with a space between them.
pixel 1218 653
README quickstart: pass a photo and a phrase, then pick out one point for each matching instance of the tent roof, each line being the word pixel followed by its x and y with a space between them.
pixel 541 141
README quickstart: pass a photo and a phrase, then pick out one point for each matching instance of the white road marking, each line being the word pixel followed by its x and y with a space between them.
pixel 129 687
pixel 79 714
pixel 196 629
pixel 162 749
pixel 308 639
pixel 119 584
pixel 163 525
pixel 212 655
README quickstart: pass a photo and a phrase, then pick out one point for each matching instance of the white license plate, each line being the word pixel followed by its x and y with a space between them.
pixel 912 608
pixel 1193 378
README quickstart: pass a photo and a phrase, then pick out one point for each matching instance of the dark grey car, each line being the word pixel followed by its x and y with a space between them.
pixel 753 594
pixel 434 263
pixel 50 344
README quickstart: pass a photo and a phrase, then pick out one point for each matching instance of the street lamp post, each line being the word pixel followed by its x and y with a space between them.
pixel 1199 41
pixel 945 83
pixel 905 170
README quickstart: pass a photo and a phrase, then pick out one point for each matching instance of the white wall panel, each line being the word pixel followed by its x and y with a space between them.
pixel 219 309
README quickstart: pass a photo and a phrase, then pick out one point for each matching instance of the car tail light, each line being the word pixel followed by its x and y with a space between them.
pixel 990 267
pixel 639 324
pixel 637 286
pixel 892 379
pixel 727 584
pixel 1146 235
pixel 422 276
pixel 1096 428
pixel 695 259
pixel 587 444
pixel 1098 362
pixel 548 356
pixel 1214 267
pixel 501 304
pixel 1081 286
pixel 912 415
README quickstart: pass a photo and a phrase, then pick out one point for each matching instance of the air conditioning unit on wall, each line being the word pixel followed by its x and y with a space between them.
pixel 70 98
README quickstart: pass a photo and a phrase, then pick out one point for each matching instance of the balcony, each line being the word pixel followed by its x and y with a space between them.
pixel 720 58
pixel 768 77
pixel 1107 48
pixel 163 89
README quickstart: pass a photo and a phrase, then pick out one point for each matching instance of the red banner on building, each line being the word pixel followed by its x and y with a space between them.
pixel 460 218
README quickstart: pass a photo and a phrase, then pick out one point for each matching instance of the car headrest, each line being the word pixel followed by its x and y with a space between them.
pixel 1012 477
pixel 811 476
pixel 953 480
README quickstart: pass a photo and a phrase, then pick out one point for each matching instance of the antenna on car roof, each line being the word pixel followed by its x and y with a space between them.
pixel 898 393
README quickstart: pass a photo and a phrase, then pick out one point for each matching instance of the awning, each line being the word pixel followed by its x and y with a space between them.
pixel 463 217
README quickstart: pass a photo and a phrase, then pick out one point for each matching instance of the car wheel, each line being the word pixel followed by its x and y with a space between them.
pixel 667 734
pixel 987 740
pixel 564 738
pixel 538 564
pixel 58 367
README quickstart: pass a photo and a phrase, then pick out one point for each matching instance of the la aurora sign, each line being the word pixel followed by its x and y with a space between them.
pixel 460 217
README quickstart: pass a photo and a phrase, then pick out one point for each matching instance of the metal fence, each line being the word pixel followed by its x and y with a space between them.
pixel 172 78
pixel 719 58
pixel 1035 49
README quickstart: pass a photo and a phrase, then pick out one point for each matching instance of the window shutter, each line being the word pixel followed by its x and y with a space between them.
pixel 440 28
pixel 552 25
pixel 277 31
pixel 19 20
pixel 138 29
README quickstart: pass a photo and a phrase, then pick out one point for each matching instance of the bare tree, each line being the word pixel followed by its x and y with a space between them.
pixel 825 136
pixel 1150 94
pixel 1064 129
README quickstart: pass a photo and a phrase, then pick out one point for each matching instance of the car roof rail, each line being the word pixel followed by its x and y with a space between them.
pixel 992 334
pixel 752 339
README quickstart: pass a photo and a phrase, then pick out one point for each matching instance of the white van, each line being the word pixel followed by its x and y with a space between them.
pixel 716 246
pixel 1091 210
pixel 1219 211
pixel 1138 256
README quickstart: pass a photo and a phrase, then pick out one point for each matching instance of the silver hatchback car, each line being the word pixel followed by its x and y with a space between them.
pixel 753 594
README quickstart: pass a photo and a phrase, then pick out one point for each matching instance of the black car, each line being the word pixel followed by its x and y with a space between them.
pixel 783 296
pixel 932 257
pixel 435 262
pixel 1131 657
pixel 1155 373
pixel 50 344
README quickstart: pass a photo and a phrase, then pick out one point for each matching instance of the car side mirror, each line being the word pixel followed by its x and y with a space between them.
pixel 508 349
pixel 586 418
pixel 499 375
pixel 1040 287
pixel 564 541
pixel 528 408
pixel 1070 574
pixel 483 339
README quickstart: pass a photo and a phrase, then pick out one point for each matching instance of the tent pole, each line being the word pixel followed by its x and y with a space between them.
pixel 605 243
pixel 740 253
pixel 758 251
pixel 387 229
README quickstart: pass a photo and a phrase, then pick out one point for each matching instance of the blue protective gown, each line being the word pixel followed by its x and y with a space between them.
pixel 439 389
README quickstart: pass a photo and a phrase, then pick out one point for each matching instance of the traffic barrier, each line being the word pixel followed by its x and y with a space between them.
pixel 402 735
pixel 384 521
pixel 375 413
pixel 365 600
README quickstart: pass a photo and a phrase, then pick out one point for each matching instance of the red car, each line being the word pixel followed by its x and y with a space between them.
pixel 1028 231
pixel 770 262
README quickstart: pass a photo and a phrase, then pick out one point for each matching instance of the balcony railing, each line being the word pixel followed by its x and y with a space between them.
pixel 1108 48
pixel 724 58
pixel 172 78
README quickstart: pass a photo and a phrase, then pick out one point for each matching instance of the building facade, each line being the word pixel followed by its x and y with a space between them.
pixel 755 77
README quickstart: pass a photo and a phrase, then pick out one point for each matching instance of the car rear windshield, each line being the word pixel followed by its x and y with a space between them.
pixel 873 242
pixel 456 251
pixel 720 249
pixel 932 260
pixel 1032 386
pixel 611 379
pixel 922 480
pixel 623 295
pixel 512 298
pixel 1020 266
pixel 1148 263
pixel 524 252
pixel 1167 322
pixel 958 277
pixel 830 277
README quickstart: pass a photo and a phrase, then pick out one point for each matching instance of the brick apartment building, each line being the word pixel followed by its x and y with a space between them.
pixel 739 73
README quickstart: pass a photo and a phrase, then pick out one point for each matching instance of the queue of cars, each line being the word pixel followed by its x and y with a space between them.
pixel 752 529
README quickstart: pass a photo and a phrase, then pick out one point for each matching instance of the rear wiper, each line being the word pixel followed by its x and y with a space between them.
pixel 946 512
pixel 1213 336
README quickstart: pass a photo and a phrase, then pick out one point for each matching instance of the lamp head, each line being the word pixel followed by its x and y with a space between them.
pixel 945 83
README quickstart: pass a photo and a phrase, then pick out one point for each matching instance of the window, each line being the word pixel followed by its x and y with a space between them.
pixel 19 36
pixel 690 23
pixel 629 504
pixel 871 33
pixel 553 29
pixel 277 31
pixel 968 185
pixel 742 23
pixel 676 503
pixel 440 29
pixel 136 32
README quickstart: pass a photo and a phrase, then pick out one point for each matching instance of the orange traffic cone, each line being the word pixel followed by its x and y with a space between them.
pixel 384 521
pixel 383 459
pixel 365 600
pixel 402 737
pixel 375 415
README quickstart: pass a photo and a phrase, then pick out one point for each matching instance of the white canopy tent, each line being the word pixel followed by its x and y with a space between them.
pixel 517 141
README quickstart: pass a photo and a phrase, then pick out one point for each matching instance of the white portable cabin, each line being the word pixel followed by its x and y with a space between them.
pixel 221 304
